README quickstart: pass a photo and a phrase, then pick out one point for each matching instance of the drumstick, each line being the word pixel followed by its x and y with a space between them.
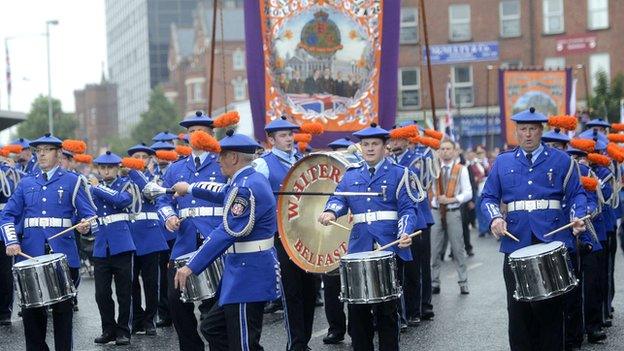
pixel 381 248
pixel 511 236
pixel 26 256
pixel 339 225
pixel 567 226
pixel 71 228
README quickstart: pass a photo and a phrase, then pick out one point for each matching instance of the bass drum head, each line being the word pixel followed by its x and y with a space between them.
pixel 536 250
pixel 311 246
pixel 37 261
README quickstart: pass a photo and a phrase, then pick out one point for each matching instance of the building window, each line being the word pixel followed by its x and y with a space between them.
pixel 509 12
pixel 238 58
pixel 511 64
pixel 553 16
pixel 463 93
pixel 409 25
pixel 597 14
pixel 240 88
pixel 409 88
pixel 459 22
pixel 554 63
pixel 198 92
pixel 599 63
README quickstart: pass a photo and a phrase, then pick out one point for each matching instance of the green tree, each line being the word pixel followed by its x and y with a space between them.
pixel 36 123
pixel 161 115
pixel 605 101
pixel 119 144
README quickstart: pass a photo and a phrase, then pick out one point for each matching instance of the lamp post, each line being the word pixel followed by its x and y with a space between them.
pixel 50 119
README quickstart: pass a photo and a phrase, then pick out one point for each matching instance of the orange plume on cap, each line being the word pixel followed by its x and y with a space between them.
pixel 166 155
pixel 599 159
pixel 204 141
pixel 615 152
pixel 430 142
pixel 618 127
pixel 404 132
pixel 616 138
pixel 313 128
pixel 583 144
pixel 14 148
pixel 303 138
pixel 227 119
pixel 414 140
pixel 564 122
pixel 183 150
pixel 434 134
pixel 4 152
pixel 589 183
pixel 302 146
pixel 133 163
pixel 83 158
pixel 75 146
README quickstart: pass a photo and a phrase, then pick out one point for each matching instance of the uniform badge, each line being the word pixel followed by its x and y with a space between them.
pixel 239 206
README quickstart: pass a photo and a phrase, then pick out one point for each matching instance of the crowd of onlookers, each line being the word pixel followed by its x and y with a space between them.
pixel 338 83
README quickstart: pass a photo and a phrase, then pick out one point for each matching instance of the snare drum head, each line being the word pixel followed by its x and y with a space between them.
pixel 536 250
pixel 366 255
pixel 36 261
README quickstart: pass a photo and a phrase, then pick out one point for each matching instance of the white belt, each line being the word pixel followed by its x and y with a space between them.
pixel 45 222
pixel 531 205
pixel 118 217
pixel 141 216
pixel 375 216
pixel 201 212
pixel 251 246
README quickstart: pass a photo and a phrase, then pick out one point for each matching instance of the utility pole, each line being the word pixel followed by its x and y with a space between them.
pixel 425 34
pixel 50 119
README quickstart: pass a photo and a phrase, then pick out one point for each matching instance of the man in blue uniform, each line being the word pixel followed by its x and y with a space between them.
pixel 47 202
pixel 113 249
pixel 6 277
pixel 534 181
pixel 26 161
pixel 251 268
pixel 300 287
pixel 377 220
pixel 148 235
pixel 192 219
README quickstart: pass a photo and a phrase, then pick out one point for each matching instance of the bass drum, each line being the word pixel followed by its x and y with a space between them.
pixel 313 247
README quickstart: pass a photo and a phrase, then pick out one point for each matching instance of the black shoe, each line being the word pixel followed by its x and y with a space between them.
pixel 596 337
pixel 163 323
pixel 5 321
pixel 138 330
pixel 105 339
pixel 122 340
pixel 403 327
pixel 470 253
pixel 427 314
pixel 607 324
pixel 413 321
pixel 151 331
pixel 464 290
pixel 333 338
pixel 435 290
pixel 19 313
pixel 273 306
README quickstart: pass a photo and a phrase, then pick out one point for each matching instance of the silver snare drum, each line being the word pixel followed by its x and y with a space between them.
pixel 541 271
pixel 368 277
pixel 202 286
pixel 43 281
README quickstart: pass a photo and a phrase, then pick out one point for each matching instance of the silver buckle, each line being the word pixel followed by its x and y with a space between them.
pixel 530 205
pixel 44 222
pixel 542 204
pixel 371 216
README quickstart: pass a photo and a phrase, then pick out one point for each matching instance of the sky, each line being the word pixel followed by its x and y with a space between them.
pixel 77 49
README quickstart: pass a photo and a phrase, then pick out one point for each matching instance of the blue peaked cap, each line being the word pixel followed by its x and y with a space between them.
pixel 199 118
pixel 47 139
pixel 23 142
pixel 238 143
pixel 162 145
pixel 164 136
pixel 529 116
pixel 107 158
pixel 374 131
pixel 140 148
pixel 340 143
pixel 280 124
pixel 598 122
pixel 555 136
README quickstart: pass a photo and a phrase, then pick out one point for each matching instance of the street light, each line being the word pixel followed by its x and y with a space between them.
pixel 50 120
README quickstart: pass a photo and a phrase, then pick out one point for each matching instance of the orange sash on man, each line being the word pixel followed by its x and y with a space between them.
pixel 450 190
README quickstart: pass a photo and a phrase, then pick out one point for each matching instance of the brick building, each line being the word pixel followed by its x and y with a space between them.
pixel 533 33
pixel 96 112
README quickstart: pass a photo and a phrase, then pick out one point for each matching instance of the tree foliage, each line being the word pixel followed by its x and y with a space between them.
pixel 605 101
pixel 36 123
pixel 162 115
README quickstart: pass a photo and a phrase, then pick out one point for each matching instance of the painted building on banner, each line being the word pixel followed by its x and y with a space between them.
pixel 468 47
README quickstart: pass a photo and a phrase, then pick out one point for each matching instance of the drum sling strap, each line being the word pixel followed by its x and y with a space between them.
pixel 450 190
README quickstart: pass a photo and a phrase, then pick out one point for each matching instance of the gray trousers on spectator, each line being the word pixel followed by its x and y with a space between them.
pixel 456 240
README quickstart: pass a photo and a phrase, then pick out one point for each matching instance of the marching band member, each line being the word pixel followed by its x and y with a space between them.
pixel 251 269
pixel 26 160
pixel 149 238
pixel 6 262
pixel 533 180
pixel 164 155
pixel 47 201
pixel 377 220
pixel 192 219
pixel 113 249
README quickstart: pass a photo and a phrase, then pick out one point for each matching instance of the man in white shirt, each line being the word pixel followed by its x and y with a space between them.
pixel 450 191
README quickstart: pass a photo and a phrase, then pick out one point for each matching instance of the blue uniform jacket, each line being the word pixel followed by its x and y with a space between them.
pixel 184 170
pixel 247 277
pixel 364 235
pixel 113 238
pixel 277 170
pixel 425 218
pixel 592 207
pixel 513 179
pixel 148 234
pixel 610 220
pixel 58 198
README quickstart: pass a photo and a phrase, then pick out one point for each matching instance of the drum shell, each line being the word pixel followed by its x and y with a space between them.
pixel 43 281
pixel 542 276
pixel 203 286
pixel 369 280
